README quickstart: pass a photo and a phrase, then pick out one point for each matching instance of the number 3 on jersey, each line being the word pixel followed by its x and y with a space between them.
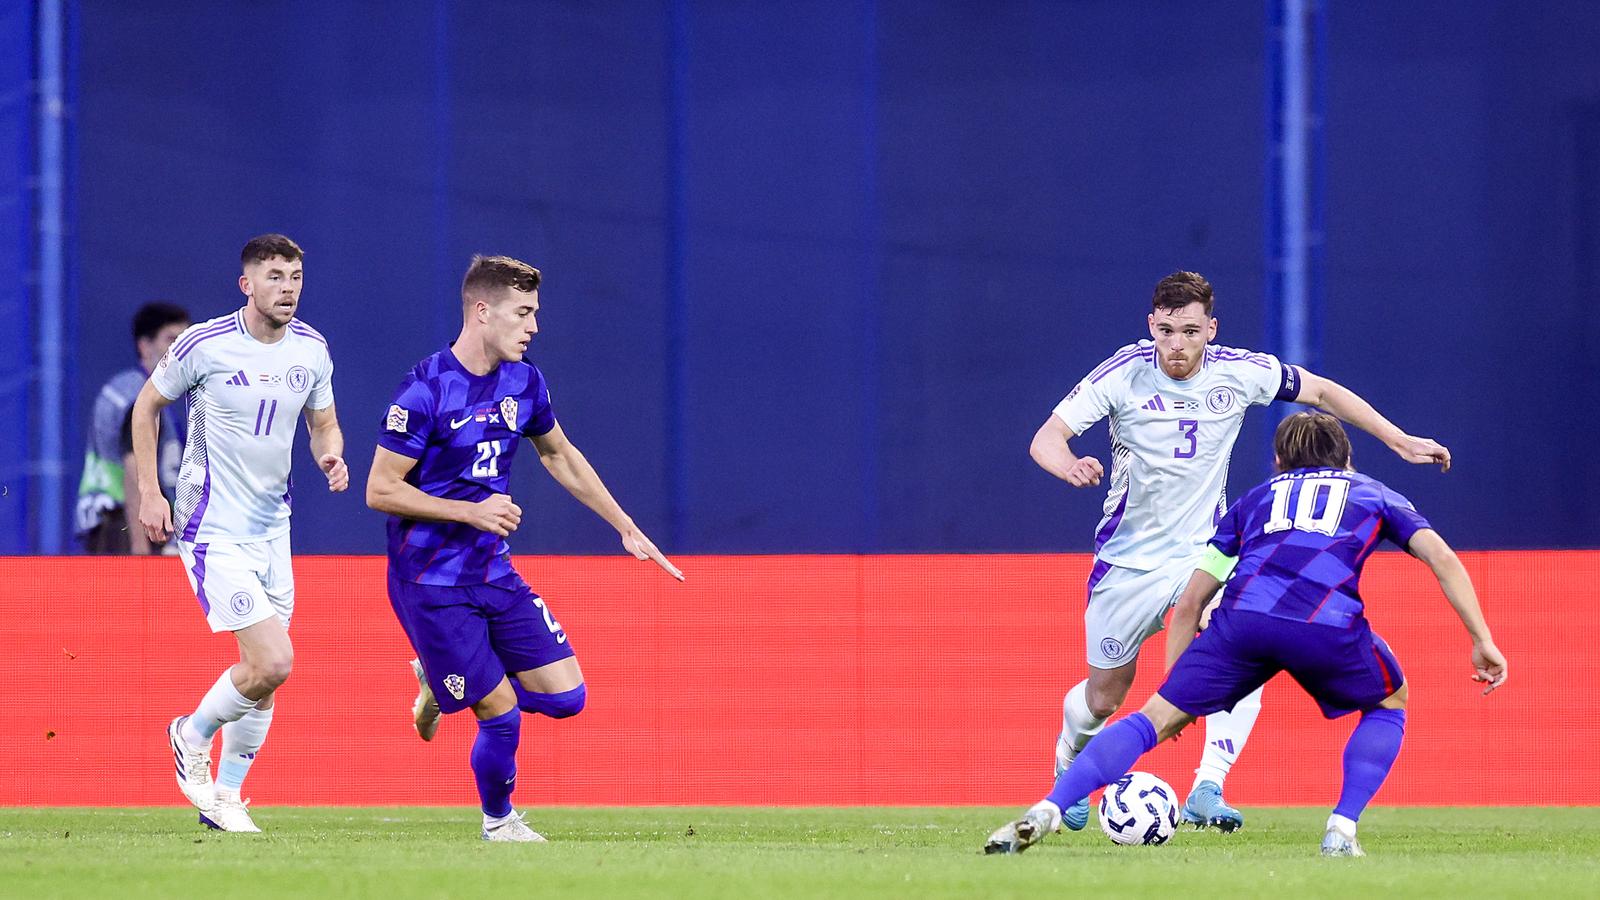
pixel 487 465
pixel 1305 516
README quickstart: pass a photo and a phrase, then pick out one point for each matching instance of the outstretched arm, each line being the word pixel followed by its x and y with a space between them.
pixel 1186 614
pixel 1337 400
pixel 327 445
pixel 154 516
pixel 1052 451
pixel 569 467
pixel 1488 665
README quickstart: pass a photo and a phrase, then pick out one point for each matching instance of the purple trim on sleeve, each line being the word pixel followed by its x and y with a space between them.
pixel 193 528
pixel 1101 567
pixel 1110 528
pixel 206 332
pixel 300 328
pixel 1119 356
pixel 200 577
pixel 1146 354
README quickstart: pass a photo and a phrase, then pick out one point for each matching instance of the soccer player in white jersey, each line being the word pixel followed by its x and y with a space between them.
pixel 248 375
pixel 1175 403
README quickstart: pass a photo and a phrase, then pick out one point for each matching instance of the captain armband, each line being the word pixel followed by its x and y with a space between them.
pixel 1217 564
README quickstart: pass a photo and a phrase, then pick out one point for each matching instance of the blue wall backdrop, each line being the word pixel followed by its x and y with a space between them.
pixel 816 271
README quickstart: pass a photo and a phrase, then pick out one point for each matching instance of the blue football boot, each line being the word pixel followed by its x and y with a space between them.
pixel 1205 808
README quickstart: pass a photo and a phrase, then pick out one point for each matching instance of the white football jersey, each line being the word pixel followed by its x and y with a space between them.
pixel 1170 444
pixel 245 401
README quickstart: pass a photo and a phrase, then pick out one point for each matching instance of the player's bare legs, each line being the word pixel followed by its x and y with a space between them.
pixel 240 705
pixel 1084 712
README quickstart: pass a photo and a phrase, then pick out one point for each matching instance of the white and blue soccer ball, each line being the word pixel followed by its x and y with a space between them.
pixel 1139 808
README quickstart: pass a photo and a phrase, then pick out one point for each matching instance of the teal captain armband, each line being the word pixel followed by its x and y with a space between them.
pixel 1217 564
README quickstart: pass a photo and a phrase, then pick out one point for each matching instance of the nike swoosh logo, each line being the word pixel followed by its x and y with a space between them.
pixel 454 424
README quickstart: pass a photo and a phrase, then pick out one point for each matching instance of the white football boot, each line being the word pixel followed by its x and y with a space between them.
pixel 229 813
pixel 1014 837
pixel 1336 843
pixel 194 767
pixel 425 711
pixel 512 828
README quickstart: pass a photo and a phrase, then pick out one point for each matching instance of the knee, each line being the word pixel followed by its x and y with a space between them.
pixel 566 704
pixel 272 670
pixel 1103 704
pixel 1396 700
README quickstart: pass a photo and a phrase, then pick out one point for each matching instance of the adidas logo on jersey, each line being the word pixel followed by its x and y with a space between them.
pixel 239 380
pixel 1155 404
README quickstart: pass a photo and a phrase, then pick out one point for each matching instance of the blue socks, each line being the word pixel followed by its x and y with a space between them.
pixel 494 761
pixel 1368 757
pixel 556 706
pixel 1109 756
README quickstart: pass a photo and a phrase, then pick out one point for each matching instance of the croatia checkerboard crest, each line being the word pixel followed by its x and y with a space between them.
pixel 508 411
pixel 456 685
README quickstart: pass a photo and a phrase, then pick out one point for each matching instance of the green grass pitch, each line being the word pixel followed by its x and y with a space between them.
pixel 773 852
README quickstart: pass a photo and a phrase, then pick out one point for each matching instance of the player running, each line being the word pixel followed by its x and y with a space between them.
pixel 441 472
pixel 1296 546
pixel 248 376
pixel 1176 404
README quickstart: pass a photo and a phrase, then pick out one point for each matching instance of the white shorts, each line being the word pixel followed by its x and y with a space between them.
pixel 239 585
pixel 1127 606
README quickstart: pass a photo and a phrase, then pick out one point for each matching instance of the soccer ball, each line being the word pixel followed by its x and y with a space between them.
pixel 1139 808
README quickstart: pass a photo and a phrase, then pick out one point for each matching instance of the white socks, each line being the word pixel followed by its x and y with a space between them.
pixel 221 705
pixel 241 741
pixel 1077 722
pixel 1226 733
pixel 1343 825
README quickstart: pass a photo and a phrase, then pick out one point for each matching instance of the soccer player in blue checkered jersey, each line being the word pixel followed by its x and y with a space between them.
pixel 1175 405
pixel 249 376
pixel 1295 547
pixel 484 640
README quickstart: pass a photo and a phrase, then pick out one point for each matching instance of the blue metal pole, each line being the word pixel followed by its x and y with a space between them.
pixel 1295 111
pixel 51 415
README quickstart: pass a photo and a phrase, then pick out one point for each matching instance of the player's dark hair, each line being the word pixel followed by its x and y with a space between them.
pixel 1180 289
pixel 263 247
pixel 1311 440
pixel 491 273
pixel 152 317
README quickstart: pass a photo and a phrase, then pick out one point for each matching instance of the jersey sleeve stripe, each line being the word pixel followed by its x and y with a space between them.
pixel 1144 354
pixel 204 332
pixel 201 339
pixel 302 329
pixel 1118 357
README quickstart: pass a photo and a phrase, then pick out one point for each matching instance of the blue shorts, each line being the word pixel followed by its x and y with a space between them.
pixel 1343 669
pixel 470 637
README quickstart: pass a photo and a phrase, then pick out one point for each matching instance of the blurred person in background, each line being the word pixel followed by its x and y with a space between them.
pixel 107 496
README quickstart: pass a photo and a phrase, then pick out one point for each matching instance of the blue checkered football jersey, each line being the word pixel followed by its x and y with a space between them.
pixel 463 430
pixel 1302 538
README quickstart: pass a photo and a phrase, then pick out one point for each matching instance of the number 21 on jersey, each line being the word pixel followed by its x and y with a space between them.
pixel 487 465
pixel 1303 492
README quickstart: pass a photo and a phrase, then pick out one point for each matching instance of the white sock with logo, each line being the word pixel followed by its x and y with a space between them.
pixel 1226 733
pixel 241 741
pixel 221 705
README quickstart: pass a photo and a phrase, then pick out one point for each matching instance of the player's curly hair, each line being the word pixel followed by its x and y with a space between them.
pixel 1311 440
pixel 494 272
pixel 1181 289
pixel 263 247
